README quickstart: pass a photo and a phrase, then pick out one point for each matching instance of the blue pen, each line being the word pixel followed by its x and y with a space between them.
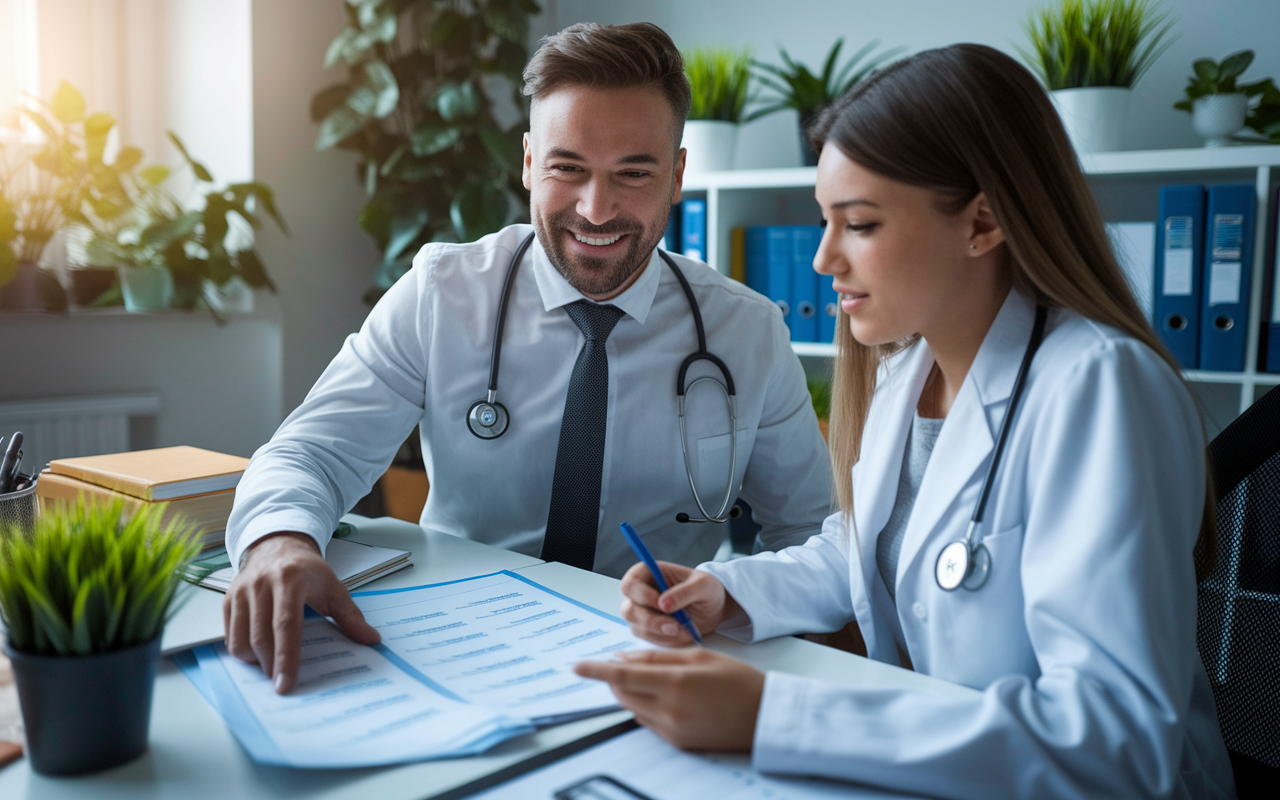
pixel 643 554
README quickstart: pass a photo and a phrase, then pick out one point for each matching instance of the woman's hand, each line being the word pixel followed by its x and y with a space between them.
pixel 700 594
pixel 694 698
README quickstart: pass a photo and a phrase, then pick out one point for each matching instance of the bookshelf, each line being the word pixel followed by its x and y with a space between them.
pixel 1125 183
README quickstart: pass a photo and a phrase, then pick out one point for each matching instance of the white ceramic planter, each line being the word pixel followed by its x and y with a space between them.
pixel 710 145
pixel 1218 117
pixel 1094 116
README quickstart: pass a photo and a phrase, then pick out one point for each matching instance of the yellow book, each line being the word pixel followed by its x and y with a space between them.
pixel 166 473
pixel 208 512
pixel 738 254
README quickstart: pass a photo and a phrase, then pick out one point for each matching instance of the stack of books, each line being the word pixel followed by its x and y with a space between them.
pixel 197 484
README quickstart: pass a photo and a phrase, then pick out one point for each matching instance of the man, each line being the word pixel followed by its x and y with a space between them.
pixel 596 329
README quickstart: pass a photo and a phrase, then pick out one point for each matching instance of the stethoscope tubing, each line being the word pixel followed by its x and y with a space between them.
pixel 491 404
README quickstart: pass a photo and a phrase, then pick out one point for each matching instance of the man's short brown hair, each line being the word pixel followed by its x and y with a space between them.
pixel 611 57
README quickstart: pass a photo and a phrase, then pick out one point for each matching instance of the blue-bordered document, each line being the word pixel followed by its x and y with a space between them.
pixel 462 666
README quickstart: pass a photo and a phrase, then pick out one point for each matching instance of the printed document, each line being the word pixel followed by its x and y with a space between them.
pixel 462 666
pixel 503 642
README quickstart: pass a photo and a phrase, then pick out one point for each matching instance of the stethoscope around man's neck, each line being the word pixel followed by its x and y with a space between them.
pixel 489 419
pixel 967 562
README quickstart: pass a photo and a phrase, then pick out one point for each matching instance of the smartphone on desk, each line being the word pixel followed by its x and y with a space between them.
pixel 600 787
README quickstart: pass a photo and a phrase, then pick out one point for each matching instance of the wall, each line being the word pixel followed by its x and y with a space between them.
pixel 327 264
pixel 809 27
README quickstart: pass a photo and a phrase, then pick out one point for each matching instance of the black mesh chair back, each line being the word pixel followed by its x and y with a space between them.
pixel 1238 630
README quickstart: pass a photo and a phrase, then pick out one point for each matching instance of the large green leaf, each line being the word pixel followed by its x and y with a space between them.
pixel 252 270
pixel 457 101
pixel 97 127
pixel 196 166
pixel 155 174
pixel 68 104
pixel 480 208
pixel 382 83
pixel 404 229
pixel 340 125
pixel 505 148
pixel 434 139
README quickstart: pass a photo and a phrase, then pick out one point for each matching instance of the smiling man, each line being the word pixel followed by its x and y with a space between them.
pixel 574 426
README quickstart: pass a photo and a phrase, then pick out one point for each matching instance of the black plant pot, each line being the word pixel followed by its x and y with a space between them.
pixel 90 283
pixel 86 713
pixel 33 289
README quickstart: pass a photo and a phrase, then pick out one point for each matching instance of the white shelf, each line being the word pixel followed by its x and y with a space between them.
pixel 824 350
pixel 1125 162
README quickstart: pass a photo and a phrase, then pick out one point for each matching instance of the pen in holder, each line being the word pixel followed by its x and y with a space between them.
pixel 19 508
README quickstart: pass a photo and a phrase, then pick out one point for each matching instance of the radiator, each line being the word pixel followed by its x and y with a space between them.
pixel 63 427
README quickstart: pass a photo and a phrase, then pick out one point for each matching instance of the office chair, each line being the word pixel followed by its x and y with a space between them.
pixel 1238 630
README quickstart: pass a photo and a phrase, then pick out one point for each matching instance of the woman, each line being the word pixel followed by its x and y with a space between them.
pixel 955 211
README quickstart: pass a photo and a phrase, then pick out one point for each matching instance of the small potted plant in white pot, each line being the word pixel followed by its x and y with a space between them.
pixel 1217 103
pixel 719 79
pixel 1089 54
pixel 84 598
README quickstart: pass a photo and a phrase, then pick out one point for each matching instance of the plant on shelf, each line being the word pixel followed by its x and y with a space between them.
pixel 1089 54
pixel 719 85
pixel 436 164
pixel 84 598
pixel 30 215
pixel 800 89
pixel 1264 118
pixel 1219 103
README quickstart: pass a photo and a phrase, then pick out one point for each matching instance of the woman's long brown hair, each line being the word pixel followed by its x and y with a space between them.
pixel 961 120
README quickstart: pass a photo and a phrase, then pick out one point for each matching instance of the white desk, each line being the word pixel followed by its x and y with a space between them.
pixel 193 755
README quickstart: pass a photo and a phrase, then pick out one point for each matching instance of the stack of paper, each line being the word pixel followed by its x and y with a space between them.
pixel 462 666
pixel 354 563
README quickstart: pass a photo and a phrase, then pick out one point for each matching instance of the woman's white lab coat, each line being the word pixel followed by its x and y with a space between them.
pixel 1082 643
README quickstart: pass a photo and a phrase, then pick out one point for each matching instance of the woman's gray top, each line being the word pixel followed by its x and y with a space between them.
pixel 920 440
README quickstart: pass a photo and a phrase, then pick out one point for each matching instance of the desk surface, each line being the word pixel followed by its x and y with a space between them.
pixel 193 754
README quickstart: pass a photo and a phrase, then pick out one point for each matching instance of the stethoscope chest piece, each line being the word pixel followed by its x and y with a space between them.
pixel 958 566
pixel 487 419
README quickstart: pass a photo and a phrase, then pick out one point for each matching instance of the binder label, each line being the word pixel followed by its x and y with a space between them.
pixel 1224 282
pixel 1179 233
pixel 1228 237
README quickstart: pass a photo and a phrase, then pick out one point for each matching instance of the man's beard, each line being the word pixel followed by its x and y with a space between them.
pixel 595 276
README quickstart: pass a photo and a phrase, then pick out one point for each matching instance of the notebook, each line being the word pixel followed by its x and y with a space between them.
pixel 162 474
pixel 354 563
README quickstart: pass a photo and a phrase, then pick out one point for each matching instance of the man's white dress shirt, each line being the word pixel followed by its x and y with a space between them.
pixel 422 358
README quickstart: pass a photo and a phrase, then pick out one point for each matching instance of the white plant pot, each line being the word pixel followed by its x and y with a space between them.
pixel 233 297
pixel 710 145
pixel 1217 117
pixel 1094 116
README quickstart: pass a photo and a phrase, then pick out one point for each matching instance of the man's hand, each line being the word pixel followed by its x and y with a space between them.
pixel 700 594
pixel 694 698
pixel 263 610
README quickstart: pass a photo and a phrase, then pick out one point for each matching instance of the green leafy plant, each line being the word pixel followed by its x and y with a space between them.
pixel 30 212
pixel 1078 43
pixel 435 163
pixel 87 581
pixel 820 394
pixel 1264 118
pixel 798 88
pixel 719 80
pixel 1211 77
pixel 132 219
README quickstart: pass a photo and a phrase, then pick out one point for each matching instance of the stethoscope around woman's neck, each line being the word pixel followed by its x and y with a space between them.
pixel 967 562
pixel 489 419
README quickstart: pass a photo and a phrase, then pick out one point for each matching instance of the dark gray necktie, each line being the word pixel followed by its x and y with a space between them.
pixel 575 490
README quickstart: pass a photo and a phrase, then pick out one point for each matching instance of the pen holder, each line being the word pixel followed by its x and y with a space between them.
pixel 19 509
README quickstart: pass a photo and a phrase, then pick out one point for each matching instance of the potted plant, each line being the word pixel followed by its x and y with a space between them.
pixel 84 599
pixel 191 257
pixel 415 107
pixel 30 214
pixel 1089 54
pixel 799 89
pixel 719 78
pixel 1217 103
